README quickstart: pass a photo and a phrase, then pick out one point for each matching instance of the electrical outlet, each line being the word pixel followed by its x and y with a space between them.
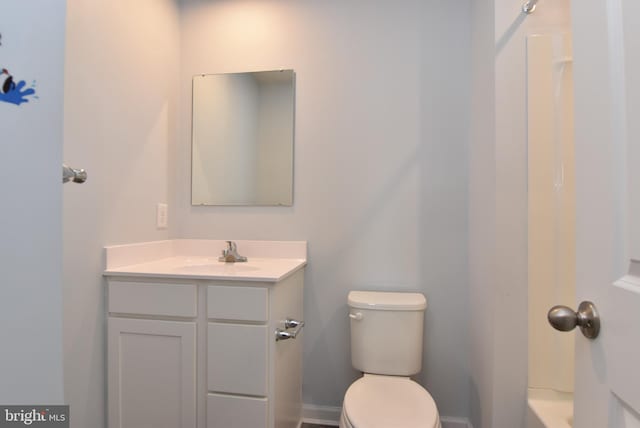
pixel 161 216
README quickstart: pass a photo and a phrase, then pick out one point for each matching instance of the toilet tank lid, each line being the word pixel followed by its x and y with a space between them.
pixel 387 301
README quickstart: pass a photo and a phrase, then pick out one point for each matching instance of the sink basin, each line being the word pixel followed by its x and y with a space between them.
pixel 216 268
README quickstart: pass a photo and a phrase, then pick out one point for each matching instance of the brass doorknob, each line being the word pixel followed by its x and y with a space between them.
pixel 587 318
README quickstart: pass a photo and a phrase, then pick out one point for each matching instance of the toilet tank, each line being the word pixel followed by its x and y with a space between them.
pixel 386 332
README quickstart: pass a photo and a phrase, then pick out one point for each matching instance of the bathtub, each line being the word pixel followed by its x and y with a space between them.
pixel 549 409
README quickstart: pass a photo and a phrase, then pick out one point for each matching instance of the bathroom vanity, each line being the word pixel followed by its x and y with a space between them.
pixel 198 343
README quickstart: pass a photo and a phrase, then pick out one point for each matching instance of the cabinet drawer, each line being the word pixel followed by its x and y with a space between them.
pixel 237 303
pixel 178 300
pixel 237 359
pixel 224 411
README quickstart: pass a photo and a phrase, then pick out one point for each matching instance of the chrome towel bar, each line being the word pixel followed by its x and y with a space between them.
pixel 289 324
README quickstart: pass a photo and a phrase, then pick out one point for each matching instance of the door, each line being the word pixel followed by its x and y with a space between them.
pixel 31 126
pixel 607 120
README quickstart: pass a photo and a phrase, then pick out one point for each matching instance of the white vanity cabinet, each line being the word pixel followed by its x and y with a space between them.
pixel 202 353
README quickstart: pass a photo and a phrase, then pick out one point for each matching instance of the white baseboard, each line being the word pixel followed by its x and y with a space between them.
pixel 321 415
pixel 328 415
pixel 454 422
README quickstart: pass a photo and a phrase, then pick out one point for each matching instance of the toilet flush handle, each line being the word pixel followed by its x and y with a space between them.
pixel 357 316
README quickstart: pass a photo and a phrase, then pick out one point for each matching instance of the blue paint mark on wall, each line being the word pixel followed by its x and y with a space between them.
pixel 12 92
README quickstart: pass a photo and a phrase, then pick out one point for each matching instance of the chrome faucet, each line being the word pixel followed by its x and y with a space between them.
pixel 230 254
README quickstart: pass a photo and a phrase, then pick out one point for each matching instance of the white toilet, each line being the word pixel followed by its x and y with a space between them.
pixel 386 344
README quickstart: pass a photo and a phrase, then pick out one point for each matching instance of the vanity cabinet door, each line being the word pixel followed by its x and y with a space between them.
pixel 237 359
pixel 151 373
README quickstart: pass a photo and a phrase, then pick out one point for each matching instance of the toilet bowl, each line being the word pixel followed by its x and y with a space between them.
pixel 386 345
pixel 388 402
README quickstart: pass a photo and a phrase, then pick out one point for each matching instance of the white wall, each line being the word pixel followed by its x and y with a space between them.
pixel 30 222
pixel 552 213
pixel 498 213
pixel 120 108
pixel 382 98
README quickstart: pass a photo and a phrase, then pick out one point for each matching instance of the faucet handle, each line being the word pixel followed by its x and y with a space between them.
pixel 229 248
pixel 230 254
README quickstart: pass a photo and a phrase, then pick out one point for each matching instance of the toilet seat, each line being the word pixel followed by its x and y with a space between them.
pixel 375 401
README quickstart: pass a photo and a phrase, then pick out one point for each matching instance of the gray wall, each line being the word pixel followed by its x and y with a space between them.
pixel 120 108
pixel 381 163
pixel 482 224
pixel 382 188
pixel 382 123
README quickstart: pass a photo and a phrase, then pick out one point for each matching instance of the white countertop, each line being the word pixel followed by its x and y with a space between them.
pixel 268 261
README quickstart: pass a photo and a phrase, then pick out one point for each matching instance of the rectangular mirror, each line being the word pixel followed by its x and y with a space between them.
pixel 242 138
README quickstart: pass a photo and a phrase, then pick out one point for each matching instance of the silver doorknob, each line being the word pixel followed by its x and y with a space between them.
pixel 73 174
pixel 587 318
